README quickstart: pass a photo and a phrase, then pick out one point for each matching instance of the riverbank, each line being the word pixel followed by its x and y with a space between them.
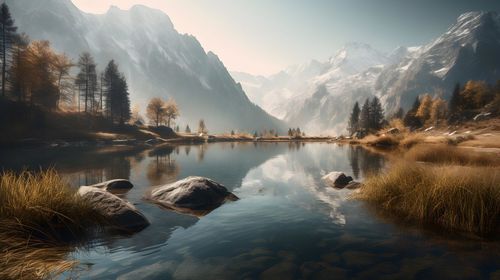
pixel 478 135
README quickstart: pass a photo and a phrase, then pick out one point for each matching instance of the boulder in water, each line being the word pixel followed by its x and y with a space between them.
pixel 195 195
pixel 121 214
pixel 337 179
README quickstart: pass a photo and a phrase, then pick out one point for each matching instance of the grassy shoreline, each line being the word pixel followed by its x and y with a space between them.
pixel 440 185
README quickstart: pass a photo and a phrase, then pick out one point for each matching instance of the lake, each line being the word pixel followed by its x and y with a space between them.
pixel 286 225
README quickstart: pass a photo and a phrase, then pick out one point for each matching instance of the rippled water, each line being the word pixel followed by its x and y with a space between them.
pixel 286 225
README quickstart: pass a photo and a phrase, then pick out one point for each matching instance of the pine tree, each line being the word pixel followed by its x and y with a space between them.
pixel 365 117
pixel 123 100
pixel 410 118
pixel 202 128
pixel 399 114
pixel 7 37
pixel 376 114
pixel 455 103
pixel 354 119
pixel 87 80
pixel 187 130
pixel 117 95
pixel 21 70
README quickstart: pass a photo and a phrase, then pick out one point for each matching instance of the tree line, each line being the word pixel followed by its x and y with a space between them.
pixel 33 73
pixel 369 118
pixel 465 103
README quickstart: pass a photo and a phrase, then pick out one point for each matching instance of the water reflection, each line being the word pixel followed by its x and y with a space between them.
pixel 365 161
pixel 286 225
pixel 162 168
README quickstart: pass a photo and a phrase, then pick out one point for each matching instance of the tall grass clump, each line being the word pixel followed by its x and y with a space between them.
pixel 42 220
pixel 43 205
pixel 446 154
pixel 453 197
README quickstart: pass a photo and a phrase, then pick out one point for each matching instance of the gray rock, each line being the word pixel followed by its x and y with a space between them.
pixel 192 193
pixel 337 179
pixel 116 185
pixel 121 214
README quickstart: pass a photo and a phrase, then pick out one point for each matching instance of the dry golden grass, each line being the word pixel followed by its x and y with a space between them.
pixel 488 140
pixel 411 140
pixel 42 219
pixel 44 205
pixel 26 259
pixel 446 154
pixel 453 197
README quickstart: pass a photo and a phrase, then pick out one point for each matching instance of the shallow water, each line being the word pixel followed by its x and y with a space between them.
pixel 286 225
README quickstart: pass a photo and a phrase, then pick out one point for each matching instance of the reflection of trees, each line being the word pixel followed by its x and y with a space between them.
pixel 118 168
pixel 294 146
pixel 187 149
pixel 364 160
pixel 201 152
pixel 162 168
pixel 353 159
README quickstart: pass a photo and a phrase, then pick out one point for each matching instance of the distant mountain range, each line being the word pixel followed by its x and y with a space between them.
pixel 156 60
pixel 318 96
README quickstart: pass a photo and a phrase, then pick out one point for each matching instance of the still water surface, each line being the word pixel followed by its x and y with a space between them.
pixel 286 225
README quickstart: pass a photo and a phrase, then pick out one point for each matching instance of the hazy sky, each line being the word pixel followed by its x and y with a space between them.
pixel 265 36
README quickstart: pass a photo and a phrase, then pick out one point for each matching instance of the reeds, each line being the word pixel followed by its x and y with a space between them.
pixel 453 197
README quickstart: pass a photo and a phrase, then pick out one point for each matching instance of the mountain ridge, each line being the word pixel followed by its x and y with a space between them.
pixel 467 50
pixel 156 59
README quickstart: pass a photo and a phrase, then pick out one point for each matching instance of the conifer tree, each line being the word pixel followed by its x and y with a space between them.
pixel 187 130
pixel 410 118
pixel 7 37
pixel 354 119
pixel 365 117
pixel 376 114
pixel 455 101
pixel 202 128
pixel 117 95
pixel 87 80
pixel 21 71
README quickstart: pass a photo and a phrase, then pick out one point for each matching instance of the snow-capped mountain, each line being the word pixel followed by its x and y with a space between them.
pixel 315 97
pixel 469 50
pixel 279 91
pixel 156 59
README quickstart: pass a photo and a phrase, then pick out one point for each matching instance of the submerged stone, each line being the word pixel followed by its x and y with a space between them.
pixel 192 193
pixel 121 214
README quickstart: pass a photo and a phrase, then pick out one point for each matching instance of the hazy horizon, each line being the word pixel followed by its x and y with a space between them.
pixel 263 37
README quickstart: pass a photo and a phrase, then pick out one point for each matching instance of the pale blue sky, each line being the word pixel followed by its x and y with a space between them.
pixel 265 36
